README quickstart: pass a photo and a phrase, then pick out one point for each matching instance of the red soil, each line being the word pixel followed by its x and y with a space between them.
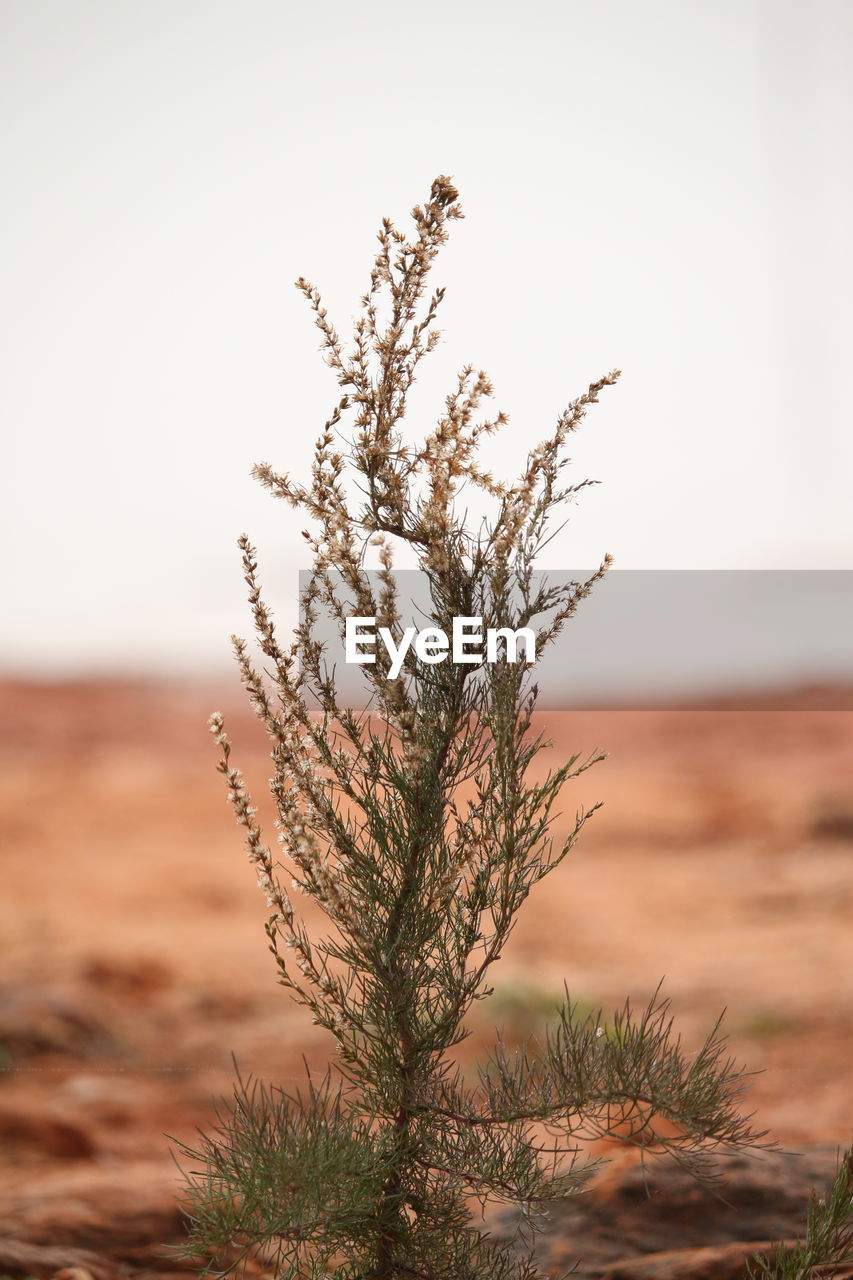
pixel 134 964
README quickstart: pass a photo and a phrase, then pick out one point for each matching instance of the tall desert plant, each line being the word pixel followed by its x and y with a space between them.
pixel 415 822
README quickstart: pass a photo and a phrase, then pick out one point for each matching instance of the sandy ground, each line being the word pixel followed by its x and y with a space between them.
pixel 133 962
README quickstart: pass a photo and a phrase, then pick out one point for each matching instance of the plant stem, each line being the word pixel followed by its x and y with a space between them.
pixel 388 1212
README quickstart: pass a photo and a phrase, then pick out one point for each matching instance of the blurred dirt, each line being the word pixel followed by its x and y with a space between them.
pixel 659 1224
pixel 133 962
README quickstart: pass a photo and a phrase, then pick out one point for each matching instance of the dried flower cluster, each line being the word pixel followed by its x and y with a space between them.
pixel 414 822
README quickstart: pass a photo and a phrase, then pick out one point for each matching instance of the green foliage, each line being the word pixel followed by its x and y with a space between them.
pixel 768 1024
pixel 301 1173
pixel 828 1242
pixel 417 825
pixel 522 1010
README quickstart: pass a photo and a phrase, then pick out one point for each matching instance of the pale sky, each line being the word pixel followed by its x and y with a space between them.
pixel 664 187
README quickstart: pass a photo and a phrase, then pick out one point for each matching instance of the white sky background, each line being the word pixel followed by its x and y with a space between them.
pixel 664 187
